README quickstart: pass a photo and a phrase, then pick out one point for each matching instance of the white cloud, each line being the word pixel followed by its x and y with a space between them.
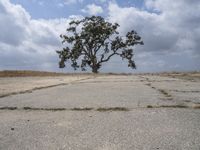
pixel 28 43
pixel 93 9
pixel 8 15
pixel 171 32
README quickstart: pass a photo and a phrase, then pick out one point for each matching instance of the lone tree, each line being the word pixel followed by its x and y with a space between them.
pixel 92 41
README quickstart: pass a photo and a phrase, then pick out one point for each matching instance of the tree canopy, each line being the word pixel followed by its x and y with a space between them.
pixel 92 41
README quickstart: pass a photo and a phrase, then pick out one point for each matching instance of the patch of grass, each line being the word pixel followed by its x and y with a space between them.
pixel 149 106
pixel 8 108
pixel 46 109
pixel 190 76
pixel 81 109
pixel 28 73
pixel 54 109
pixel 113 109
pixel 164 92
pixel 4 95
pixel 174 106
pixel 168 106
pixel 23 92
pixel 186 91
pixel 27 108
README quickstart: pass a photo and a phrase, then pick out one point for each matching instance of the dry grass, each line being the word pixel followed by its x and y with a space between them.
pixel 25 73
pixel 191 76
pixel 108 109
pixel 165 93
pixel 81 109
pixel 46 109
pixel 8 108
pixel 29 73
pixel 184 91
pixel 169 106
pixel 67 109
pixel 113 109
pixel 150 106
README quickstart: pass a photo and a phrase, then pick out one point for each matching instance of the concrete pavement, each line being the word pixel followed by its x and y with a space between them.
pixel 106 112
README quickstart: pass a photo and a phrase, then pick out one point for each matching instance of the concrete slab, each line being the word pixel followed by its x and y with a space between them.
pixel 105 112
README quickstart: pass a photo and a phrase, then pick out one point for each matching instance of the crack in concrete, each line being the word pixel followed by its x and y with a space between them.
pixel 184 91
pixel 100 109
pixel 111 81
pixel 166 95
pixel 40 88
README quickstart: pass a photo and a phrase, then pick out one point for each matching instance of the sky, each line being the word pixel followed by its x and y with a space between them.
pixel 170 30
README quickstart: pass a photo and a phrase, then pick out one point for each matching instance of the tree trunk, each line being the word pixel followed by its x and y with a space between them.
pixel 94 69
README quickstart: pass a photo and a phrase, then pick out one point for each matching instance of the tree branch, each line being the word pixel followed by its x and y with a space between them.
pixel 108 58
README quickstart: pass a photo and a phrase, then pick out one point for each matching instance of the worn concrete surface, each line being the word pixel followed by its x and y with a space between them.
pixel 14 85
pixel 104 113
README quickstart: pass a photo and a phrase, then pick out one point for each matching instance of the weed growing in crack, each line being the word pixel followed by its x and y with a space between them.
pixel 164 93
pixel 81 109
pixel 113 109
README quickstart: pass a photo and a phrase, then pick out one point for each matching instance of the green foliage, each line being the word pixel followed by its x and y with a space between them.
pixel 93 41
